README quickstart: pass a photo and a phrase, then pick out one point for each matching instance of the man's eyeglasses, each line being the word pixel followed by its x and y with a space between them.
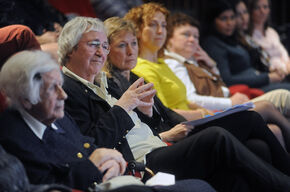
pixel 97 45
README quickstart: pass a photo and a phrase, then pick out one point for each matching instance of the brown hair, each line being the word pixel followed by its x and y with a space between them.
pixel 144 13
pixel 251 6
pixel 176 20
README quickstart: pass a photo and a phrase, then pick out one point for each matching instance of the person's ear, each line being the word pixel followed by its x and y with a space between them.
pixel 26 103
pixel 70 53
pixel 168 44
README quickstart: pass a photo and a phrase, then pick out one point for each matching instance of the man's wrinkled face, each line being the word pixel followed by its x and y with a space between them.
pixel 51 106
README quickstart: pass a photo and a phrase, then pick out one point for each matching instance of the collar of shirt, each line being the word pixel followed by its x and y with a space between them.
pixel 180 58
pixel 36 126
pixel 100 88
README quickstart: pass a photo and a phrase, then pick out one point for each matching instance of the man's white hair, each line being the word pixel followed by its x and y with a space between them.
pixel 72 33
pixel 21 76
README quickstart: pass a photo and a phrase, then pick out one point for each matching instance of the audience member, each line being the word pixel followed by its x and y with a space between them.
pixel 267 37
pixel 234 61
pixel 114 124
pixel 260 59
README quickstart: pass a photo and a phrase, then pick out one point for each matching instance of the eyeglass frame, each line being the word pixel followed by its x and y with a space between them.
pixel 105 46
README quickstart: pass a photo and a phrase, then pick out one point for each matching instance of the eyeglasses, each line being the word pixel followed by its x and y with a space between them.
pixel 97 45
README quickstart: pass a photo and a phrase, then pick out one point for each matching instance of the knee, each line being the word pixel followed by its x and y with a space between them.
pixel 254 116
pixel 264 105
pixel 260 148
pixel 283 103
pixel 215 132
pixel 282 94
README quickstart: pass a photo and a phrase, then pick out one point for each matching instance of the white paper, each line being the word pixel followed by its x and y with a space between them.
pixel 161 179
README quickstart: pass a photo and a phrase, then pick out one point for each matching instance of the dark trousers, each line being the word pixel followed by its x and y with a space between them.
pixel 250 125
pixel 212 151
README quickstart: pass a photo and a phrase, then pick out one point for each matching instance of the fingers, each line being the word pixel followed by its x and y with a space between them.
pixel 189 127
pixel 144 88
pixel 101 155
pixel 147 94
pixel 122 165
pixel 137 83
pixel 112 169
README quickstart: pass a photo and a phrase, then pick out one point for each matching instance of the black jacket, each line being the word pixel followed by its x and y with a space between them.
pixel 50 163
pixel 96 118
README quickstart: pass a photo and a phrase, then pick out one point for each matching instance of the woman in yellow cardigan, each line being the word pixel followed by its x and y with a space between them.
pixel 150 20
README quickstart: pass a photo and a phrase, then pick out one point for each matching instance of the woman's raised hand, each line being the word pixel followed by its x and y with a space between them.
pixel 138 95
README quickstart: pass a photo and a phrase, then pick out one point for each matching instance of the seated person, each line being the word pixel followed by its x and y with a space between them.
pixel 267 37
pixel 46 140
pixel 114 124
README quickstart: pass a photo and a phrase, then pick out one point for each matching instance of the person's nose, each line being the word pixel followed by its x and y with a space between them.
pixel 99 51
pixel 262 10
pixel 129 50
pixel 61 93
pixel 230 22
pixel 191 38
pixel 244 17
pixel 160 29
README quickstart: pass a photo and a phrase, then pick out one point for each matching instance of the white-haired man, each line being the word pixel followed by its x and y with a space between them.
pixel 33 82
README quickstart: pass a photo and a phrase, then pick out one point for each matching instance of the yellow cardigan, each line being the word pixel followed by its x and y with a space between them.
pixel 170 90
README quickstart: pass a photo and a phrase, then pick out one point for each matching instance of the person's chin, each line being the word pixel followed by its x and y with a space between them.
pixel 60 115
pixel 97 62
pixel 229 33
pixel 60 112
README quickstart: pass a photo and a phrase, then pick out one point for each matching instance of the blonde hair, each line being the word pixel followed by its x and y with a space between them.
pixel 114 26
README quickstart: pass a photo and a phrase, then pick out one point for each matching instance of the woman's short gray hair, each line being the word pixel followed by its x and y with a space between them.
pixel 72 33
pixel 20 76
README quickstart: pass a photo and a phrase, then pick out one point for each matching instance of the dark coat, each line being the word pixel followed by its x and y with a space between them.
pixel 50 163
pixel 96 118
